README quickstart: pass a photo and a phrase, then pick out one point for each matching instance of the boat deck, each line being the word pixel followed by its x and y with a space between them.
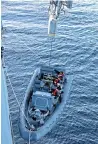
pixel 42 84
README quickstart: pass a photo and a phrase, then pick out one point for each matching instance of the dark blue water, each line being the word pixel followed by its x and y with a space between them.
pixel 75 49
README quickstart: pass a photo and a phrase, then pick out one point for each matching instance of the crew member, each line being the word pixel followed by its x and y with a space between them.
pixel 56 81
pixel 61 75
pixel 55 92
pixel 38 116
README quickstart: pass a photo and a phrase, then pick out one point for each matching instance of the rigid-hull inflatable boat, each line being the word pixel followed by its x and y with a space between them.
pixel 44 101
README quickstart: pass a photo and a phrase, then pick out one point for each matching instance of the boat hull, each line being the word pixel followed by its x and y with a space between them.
pixel 43 130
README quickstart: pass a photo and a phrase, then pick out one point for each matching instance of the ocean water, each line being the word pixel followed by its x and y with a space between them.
pixel 75 48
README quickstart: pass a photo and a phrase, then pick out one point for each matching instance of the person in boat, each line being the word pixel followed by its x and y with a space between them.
pixel 56 81
pixel 48 77
pixel 60 88
pixel 55 92
pixel 61 75
pixel 39 117
pixel 59 78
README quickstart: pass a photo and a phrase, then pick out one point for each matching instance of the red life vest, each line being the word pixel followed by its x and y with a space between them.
pixel 55 92
pixel 56 81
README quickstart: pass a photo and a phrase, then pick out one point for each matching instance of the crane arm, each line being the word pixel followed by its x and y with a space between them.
pixel 55 7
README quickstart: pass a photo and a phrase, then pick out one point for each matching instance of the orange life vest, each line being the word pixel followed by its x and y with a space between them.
pixel 56 81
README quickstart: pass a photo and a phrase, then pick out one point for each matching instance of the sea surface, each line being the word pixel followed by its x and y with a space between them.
pixel 75 48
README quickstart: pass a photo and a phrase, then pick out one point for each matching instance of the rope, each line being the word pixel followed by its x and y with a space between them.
pixel 16 96
pixel 29 136
pixel 50 53
pixel 12 89
pixel 18 105
pixel 12 133
pixel 50 56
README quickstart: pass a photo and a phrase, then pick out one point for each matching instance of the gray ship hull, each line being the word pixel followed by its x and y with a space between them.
pixel 6 136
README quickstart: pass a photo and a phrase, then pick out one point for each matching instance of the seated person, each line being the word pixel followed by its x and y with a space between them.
pixel 39 117
pixel 56 81
pixel 59 86
pixel 60 74
pixel 55 92
pixel 48 77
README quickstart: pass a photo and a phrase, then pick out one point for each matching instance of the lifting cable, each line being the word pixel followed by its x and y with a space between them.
pixel 50 56
pixel 29 136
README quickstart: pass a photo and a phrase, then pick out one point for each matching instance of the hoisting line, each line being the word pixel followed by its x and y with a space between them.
pixel 29 136
pixel 50 52
pixel 16 96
